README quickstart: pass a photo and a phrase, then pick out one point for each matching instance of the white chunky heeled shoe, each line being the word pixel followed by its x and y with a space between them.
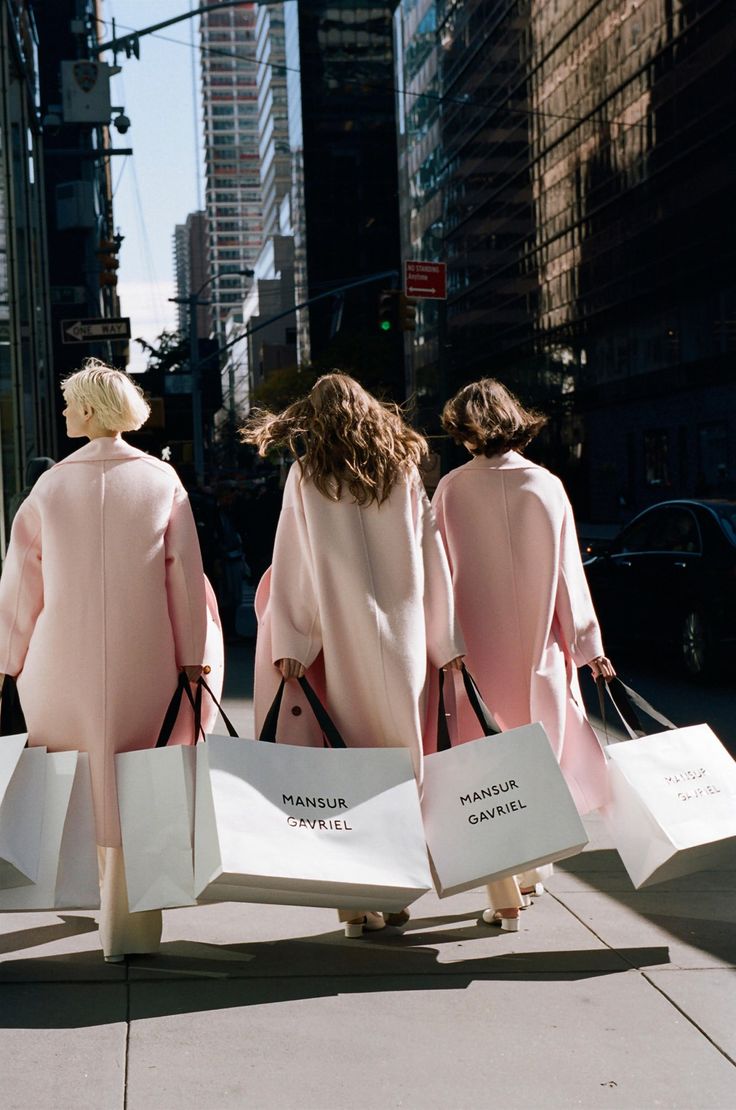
pixel 370 922
pixel 507 919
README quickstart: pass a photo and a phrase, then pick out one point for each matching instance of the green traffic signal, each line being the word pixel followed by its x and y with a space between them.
pixel 385 325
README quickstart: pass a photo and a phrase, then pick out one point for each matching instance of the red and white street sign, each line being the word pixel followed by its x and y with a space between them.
pixel 425 279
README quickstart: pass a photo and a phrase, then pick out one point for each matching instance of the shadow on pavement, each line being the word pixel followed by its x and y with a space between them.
pixel 192 977
pixel 698 910
pixel 46 934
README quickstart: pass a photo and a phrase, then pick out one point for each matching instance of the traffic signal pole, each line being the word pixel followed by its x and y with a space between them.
pixel 195 370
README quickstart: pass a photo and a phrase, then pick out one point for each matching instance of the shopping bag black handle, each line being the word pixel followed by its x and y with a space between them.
pixel 479 707
pixel 626 702
pixel 167 725
pixel 183 689
pixel 12 721
pixel 202 685
pixel 325 722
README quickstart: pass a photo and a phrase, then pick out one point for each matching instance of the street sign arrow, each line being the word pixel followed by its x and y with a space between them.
pixel 95 328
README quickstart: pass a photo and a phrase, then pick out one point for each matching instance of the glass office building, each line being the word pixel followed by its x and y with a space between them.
pixel 586 162
pixel 342 134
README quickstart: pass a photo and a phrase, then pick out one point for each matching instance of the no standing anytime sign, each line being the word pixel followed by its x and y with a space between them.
pixel 425 279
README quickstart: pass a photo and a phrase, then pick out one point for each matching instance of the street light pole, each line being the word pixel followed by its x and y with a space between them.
pixel 195 371
pixel 193 302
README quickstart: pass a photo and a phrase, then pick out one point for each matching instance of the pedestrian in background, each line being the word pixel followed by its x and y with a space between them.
pixel 102 603
pixel 359 593
pixel 522 598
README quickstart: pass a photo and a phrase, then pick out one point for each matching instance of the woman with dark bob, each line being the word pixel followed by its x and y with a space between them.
pixel 359 593
pixel 522 598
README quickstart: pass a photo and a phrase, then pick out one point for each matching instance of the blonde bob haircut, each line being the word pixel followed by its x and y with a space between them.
pixel 115 399
pixel 345 439
pixel 487 418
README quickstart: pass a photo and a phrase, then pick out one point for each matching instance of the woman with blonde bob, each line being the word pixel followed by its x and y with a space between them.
pixel 358 595
pixel 102 602
pixel 522 598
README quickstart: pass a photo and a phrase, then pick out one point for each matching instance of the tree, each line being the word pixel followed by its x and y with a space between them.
pixel 169 351
pixel 282 387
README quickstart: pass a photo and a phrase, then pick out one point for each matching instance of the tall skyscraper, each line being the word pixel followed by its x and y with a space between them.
pixel 233 194
pixel 344 208
pixel 189 243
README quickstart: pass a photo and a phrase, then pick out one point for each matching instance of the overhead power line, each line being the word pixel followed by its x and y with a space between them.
pixel 463 101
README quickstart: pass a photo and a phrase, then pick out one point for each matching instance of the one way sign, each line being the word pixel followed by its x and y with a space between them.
pixel 89 331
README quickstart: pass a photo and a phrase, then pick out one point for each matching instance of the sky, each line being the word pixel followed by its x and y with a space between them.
pixel 157 186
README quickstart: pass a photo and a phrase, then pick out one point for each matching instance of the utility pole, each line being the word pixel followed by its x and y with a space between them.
pixel 192 301
pixel 195 371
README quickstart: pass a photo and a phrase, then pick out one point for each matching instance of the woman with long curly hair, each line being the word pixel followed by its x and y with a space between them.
pixel 522 597
pixel 358 595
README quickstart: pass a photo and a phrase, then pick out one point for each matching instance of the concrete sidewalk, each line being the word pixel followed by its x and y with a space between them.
pixel 605 998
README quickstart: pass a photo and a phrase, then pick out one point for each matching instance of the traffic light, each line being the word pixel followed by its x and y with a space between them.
pixel 109 263
pixel 407 313
pixel 388 319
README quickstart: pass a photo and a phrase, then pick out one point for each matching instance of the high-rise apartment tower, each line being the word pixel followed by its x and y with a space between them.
pixel 230 113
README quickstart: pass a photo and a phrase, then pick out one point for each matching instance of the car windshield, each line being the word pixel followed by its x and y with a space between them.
pixel 727 516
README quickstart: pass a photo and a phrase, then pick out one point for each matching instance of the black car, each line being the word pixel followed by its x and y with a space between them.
pixel 668 581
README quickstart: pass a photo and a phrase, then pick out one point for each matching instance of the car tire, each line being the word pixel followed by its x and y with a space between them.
pixel 696 642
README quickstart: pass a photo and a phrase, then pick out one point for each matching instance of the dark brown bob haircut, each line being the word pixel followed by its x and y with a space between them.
pixel 488 419
pixel 345 439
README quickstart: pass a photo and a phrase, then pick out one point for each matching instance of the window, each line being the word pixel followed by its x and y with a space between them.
pixel 656 458
pixel 670 528
pixel 713 459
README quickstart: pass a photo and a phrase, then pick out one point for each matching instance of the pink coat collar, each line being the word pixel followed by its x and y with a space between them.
pixel 509 460
pixel 99 450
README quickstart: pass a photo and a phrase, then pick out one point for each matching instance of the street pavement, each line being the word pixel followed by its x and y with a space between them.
pixel 605 998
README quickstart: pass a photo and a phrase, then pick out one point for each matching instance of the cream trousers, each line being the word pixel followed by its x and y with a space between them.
pixel 123 933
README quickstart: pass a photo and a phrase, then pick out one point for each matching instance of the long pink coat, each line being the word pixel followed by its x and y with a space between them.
pixel 524 606
pixel 361 597
pixel 102 599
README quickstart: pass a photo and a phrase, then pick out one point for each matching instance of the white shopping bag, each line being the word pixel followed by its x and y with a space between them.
pixel 156 804
pixel 496 806
pixel 67 872
pixel 22 783
pixel 307 826
pixel 673 797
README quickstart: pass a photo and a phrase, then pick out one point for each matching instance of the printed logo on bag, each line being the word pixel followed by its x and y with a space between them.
pixel 321 824
pixel 686 780
pixel 495 791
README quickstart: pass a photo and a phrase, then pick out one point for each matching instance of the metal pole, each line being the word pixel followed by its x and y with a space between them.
pixel 196 373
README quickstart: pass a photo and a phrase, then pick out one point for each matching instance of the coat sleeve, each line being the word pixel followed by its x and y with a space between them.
pixel 444 639
pixel 293 605
pixel 185 588
pixel 574 605
pixel 21 588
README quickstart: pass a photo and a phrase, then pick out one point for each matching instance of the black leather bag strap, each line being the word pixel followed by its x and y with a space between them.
pixel 325 722
pixel 12 721
pixel 627 702
pixel 479 707
pixel 202 685
pixel 182 690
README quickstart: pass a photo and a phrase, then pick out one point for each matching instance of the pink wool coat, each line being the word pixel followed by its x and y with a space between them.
pixel 524 606
pixel 102 599
pixel 361 596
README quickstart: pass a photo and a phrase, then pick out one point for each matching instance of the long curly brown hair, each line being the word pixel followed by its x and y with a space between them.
pixel 345 439
pixel 489 419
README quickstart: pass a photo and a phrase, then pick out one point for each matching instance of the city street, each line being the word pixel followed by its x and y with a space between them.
pixel 683 701
pixel 605 998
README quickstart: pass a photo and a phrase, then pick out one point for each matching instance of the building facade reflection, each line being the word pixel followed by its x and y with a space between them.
pixel 586 166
